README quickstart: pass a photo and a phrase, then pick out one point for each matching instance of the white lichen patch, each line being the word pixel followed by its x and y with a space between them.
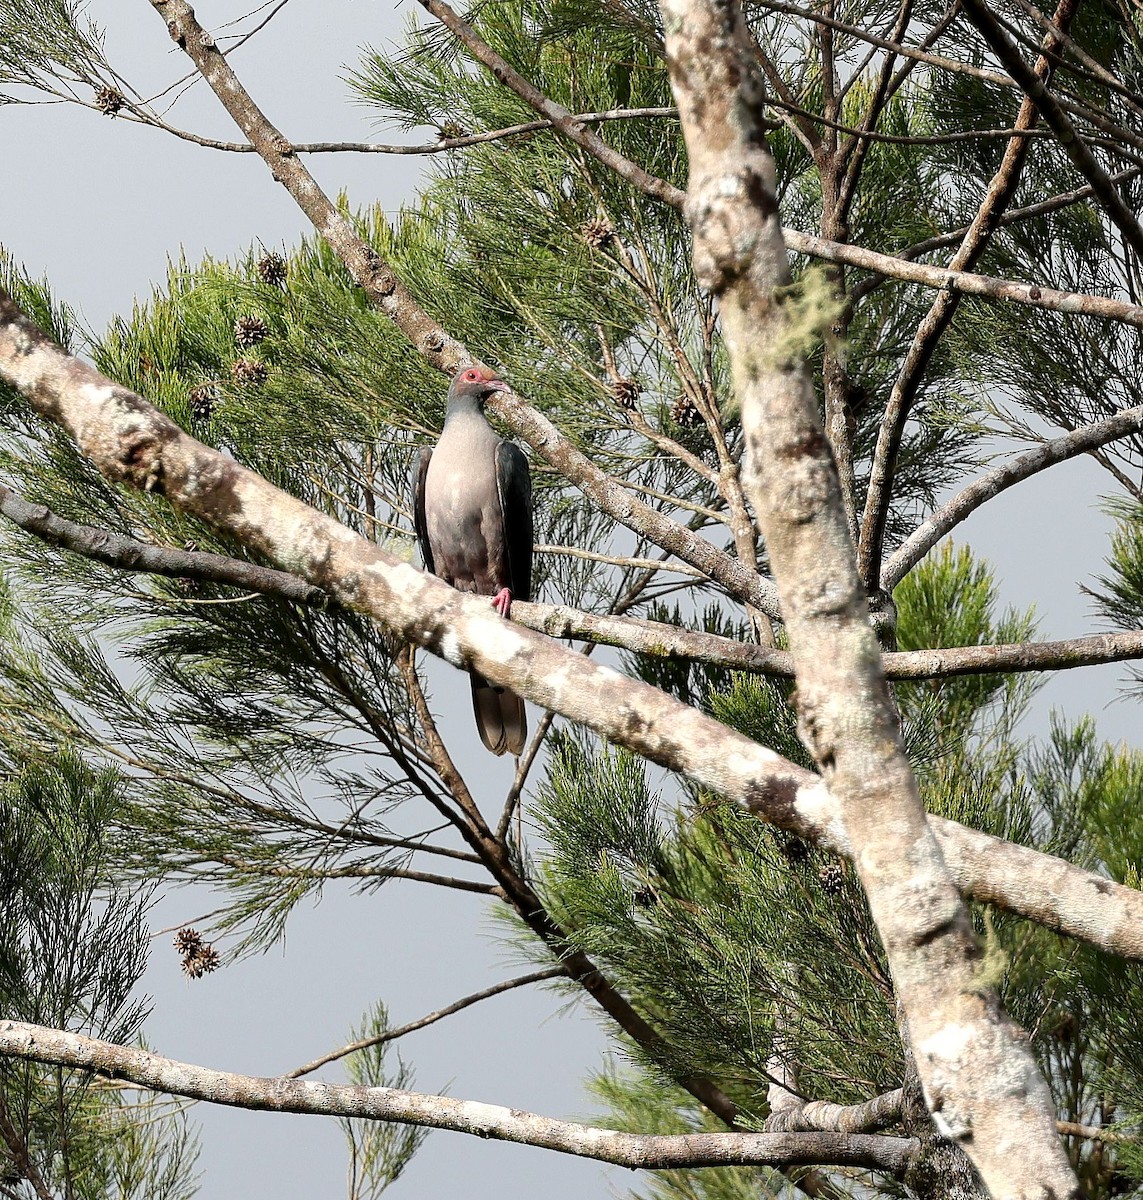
pixel 819 810
pixel 450 648
pixel 499 639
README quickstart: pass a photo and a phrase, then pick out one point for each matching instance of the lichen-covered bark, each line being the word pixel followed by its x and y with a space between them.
pixel 980 1079
pixel 284 1094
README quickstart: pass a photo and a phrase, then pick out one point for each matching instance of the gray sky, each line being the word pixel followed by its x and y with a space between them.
pixel 98 206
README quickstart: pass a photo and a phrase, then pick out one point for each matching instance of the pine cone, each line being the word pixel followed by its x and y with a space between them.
pixel 248 372
pixel 202 401
pixel 108 101
pixel 684 413
pixel 192 968
pixel 793 849
pixel 452 129
pixel 626 392
pixel 832 879
pixel 188 941
pixel 598 233
pixel 208 960
pixel 272 269
pixel 249 331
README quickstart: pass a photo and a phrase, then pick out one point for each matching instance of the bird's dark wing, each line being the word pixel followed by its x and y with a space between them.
pixel 420 521
pixel 514 484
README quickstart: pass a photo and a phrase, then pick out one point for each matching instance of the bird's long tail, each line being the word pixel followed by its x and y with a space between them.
pixel 499 715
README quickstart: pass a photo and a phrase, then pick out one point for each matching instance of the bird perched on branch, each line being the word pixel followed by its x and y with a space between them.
pixel 472 507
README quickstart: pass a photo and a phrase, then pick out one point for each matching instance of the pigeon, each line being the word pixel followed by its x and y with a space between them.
pixel 472 508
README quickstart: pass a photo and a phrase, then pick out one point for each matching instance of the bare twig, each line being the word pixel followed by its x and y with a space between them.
pixel 441 146
pixel 980 14
pixel 991 484
pixel 391 1035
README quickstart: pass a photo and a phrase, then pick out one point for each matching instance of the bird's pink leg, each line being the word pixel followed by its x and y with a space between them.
pixel 502 602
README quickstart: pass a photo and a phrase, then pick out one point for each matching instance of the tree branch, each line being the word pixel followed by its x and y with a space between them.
pixel 656 638
pixel 440 146
pixel 439 348
pixel 871 1115
pixel 133 443
pixel 988 287
pixel 391 1035
pixel 282 1094
pixel 991 484
pixel 560 117
pixel 929 332
pixel 128 554
pixel 980 1078
pixel 1053 113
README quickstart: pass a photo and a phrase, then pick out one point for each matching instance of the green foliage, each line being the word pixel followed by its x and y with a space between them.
pixel 72 949
pixel 1119 598
pixel 378 1152
pixel 49 45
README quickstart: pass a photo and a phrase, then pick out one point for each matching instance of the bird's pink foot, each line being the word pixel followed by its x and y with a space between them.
pixel 502 602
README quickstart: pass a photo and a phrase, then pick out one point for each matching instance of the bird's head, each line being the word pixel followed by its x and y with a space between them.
pixel 473 386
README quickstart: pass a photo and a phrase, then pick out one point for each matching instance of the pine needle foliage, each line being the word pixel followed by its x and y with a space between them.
pixel 378 1153
pixel 72 949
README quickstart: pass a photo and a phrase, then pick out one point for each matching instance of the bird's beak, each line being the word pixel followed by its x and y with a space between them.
pixel 498 385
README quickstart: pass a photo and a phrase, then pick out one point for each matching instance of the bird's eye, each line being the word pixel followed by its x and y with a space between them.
pixel 472 376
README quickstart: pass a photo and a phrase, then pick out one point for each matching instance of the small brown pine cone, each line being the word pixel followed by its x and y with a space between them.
pixel 208 960
pixel 272 269
pixel 249 331
pixel 1065 1026
pixel 832 878
pixel 248 372
pixel 108 101
pixel 793 849
pixel 452 129
pixel 626 392
pixel 684 413
pixel 598 233
pixel 202 401
pixel 188 941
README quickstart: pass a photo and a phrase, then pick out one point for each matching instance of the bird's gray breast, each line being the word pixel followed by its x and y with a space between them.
pixel 463 516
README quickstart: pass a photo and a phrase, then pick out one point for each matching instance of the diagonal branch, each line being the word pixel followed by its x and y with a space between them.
pixel 391 1035
pixel 561 118
pixel 131 442
pixel 439 348
pixel 980 491
pixel 282 1094
pixel 980 14
pixel 129 554
pixel 936 321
